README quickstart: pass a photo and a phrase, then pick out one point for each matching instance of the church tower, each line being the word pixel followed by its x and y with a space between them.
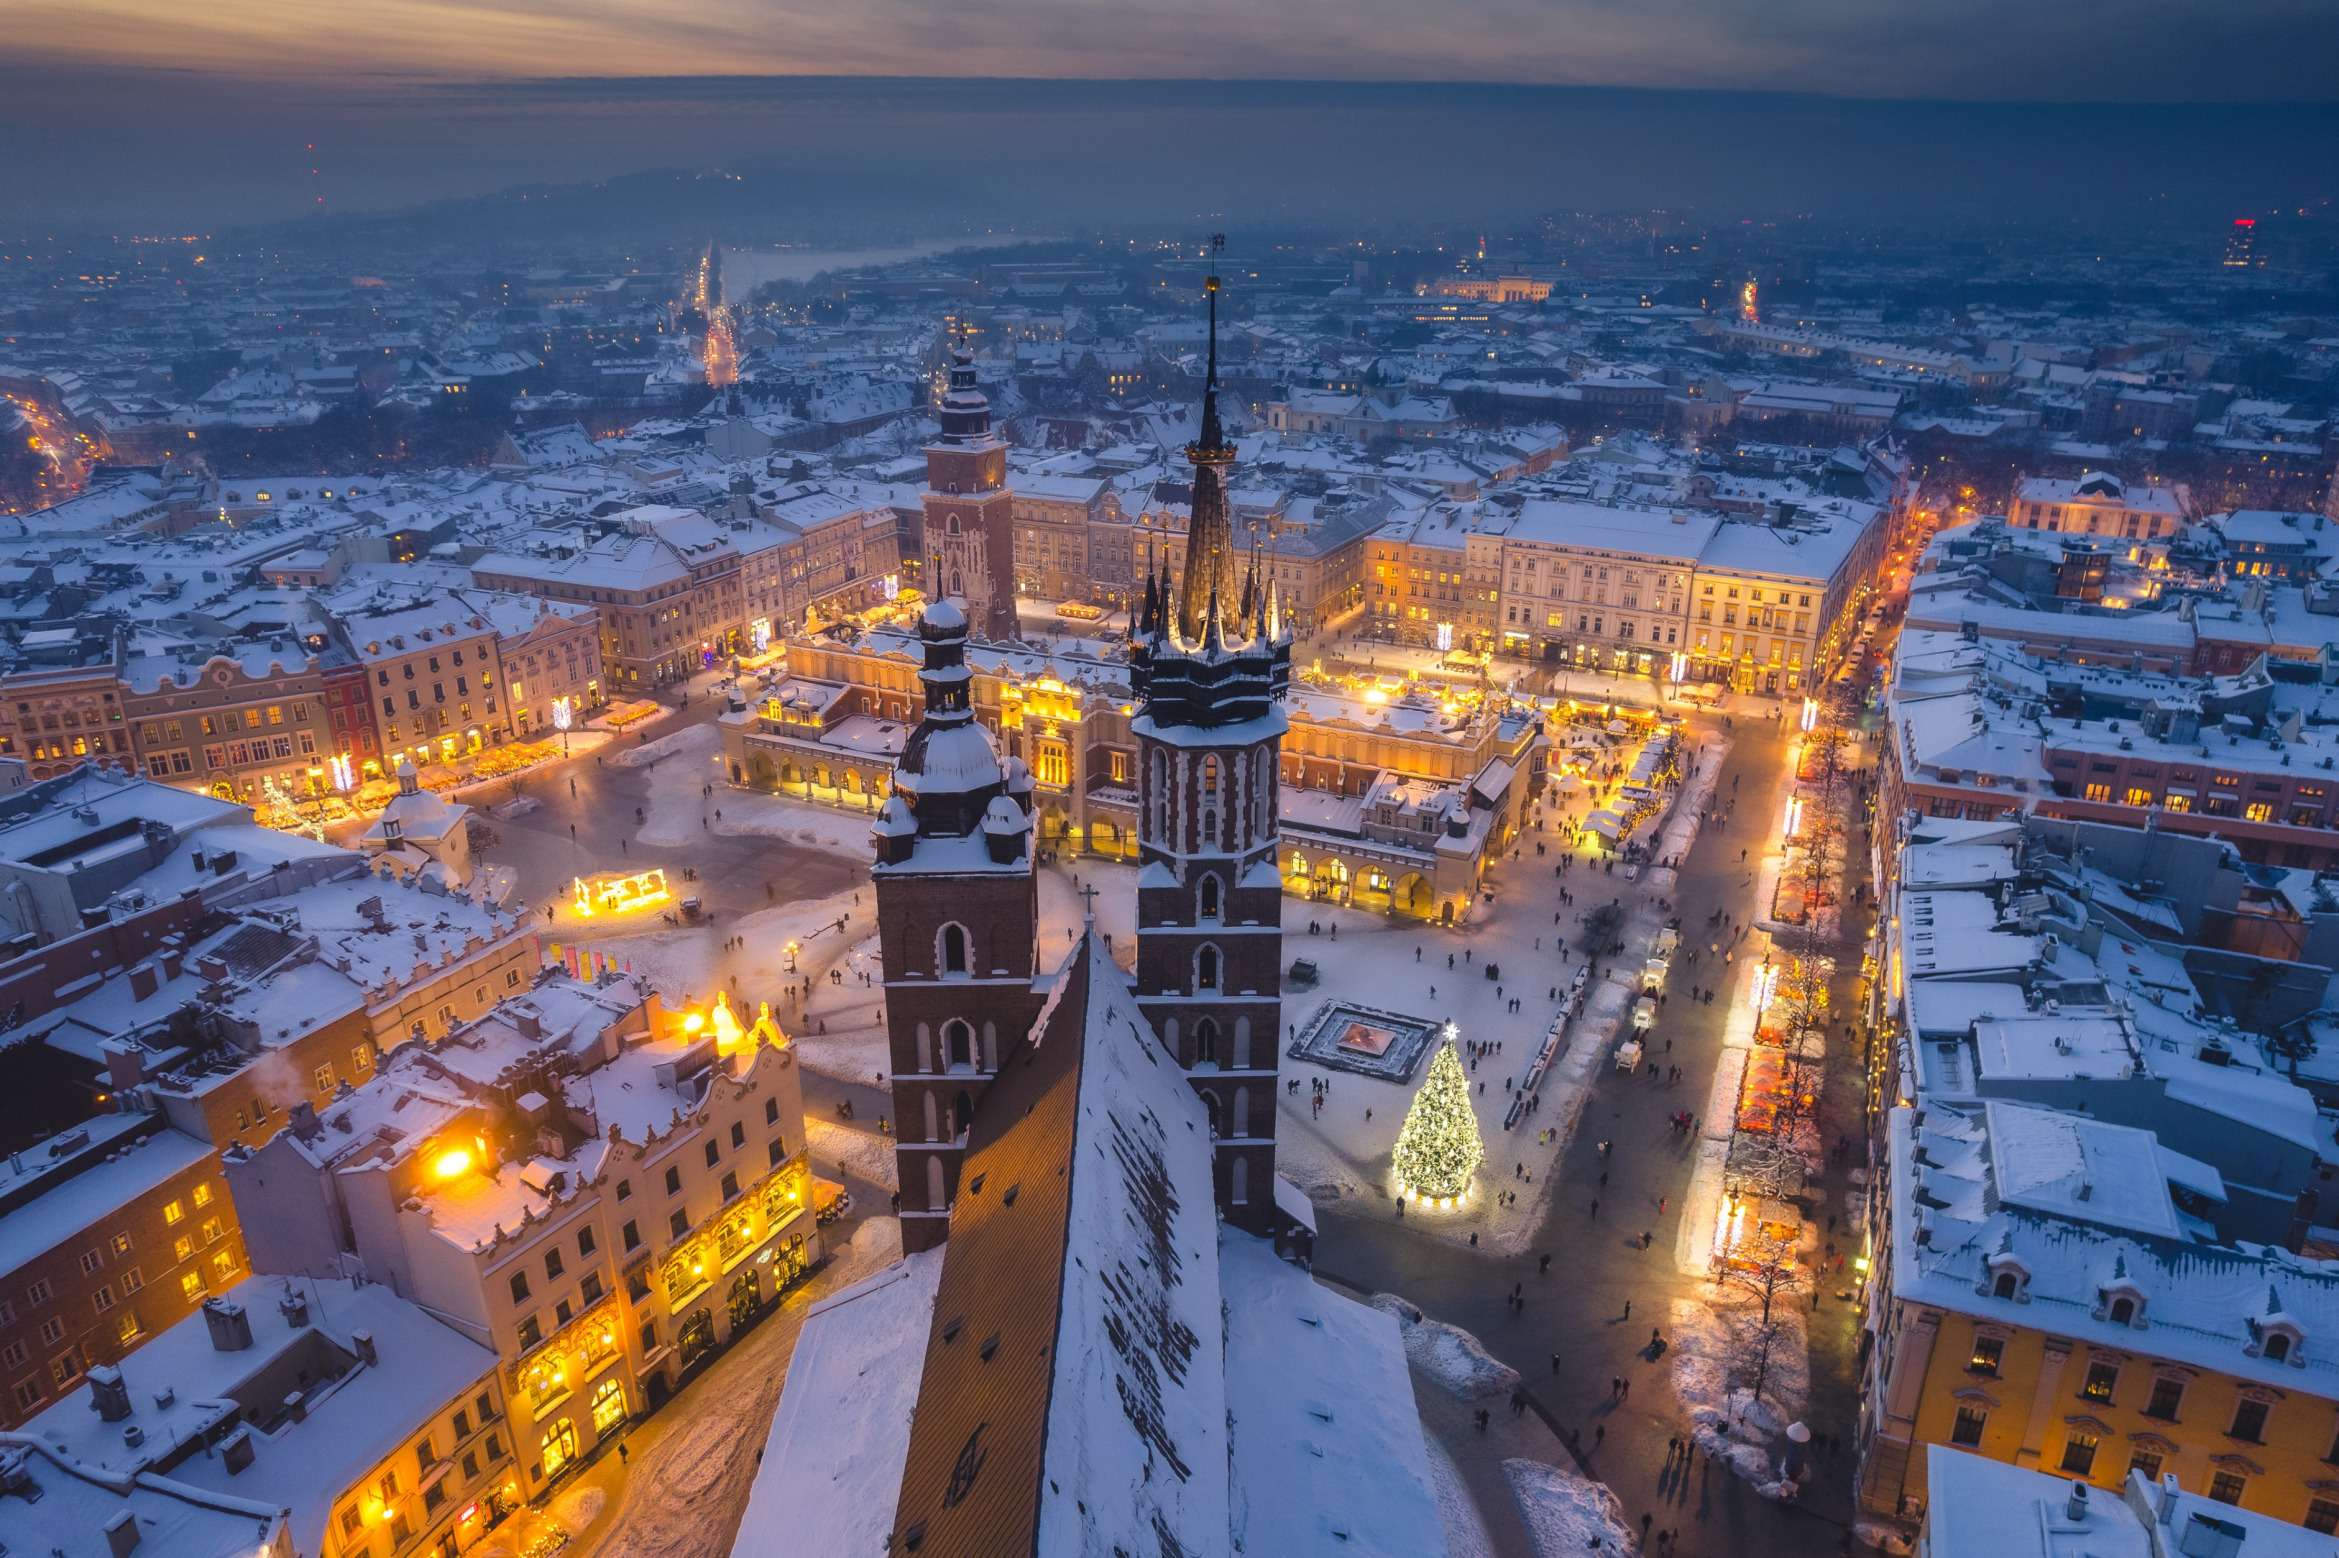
pixel 969 509
pixel 1211 669
pixel 958 922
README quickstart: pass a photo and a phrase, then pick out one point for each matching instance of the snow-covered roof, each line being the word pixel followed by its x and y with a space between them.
pixel 832 1466
pixel 1327 1455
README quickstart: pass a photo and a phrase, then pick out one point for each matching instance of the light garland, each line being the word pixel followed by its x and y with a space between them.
pixel 1438 1149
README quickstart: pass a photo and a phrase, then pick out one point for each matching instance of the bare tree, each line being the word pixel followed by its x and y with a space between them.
pixel 1764 1266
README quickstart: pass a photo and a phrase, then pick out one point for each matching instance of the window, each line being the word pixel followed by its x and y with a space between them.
pixel 2146 1461
pixel 714 1153
pixel 52 1331
pixel 589 1289
pixel 679 1223
pixel 731 1185
pixel 132 1281
pixel 775 1149
pixel 1987 1351
pixel 586 1243
pixel 2322 1517
pixel 632 1236
pixel 771 1111
pixel 738 1133
pixel 2079 1454
pixel 172 1212
pixel 953 949
pixel 13 1355
pixel 182 1248
pixel 2226 1487
pixel 625 1190
pixel 211 1230
pixel 531 1332
pixel 2167 1395
pixel 552 1265
pixel 2277 1348
pixel 28 1394
pixel 519 1287
pixel 90 1261
pixel 2249 1421
pixel 103 1297
pixel 2101 1377
pixel 674 1179
pixel 2099 792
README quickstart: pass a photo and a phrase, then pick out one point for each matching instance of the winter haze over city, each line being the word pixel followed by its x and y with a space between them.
pixel 1507 780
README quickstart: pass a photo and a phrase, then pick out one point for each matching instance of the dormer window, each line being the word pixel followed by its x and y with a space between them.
pixel 2006 1277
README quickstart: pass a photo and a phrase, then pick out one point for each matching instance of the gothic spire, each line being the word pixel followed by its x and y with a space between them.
pixel 1210 579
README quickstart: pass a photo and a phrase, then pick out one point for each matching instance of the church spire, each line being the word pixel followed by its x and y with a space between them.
pixel 1210 580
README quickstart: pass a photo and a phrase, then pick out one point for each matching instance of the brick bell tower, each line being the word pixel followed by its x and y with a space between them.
pixel 969 509
pixel 1211 669
pixel 958 921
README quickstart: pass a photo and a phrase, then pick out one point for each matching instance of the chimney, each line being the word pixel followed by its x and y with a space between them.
pixel 231 1328
pixel 294 1306
pixel 144 981
pixel 367 1353
pixel 2075 1508
pixel 2302 1218
pixel 236 1451
pixel 122 1534
pixel 109 1395
pixel 303 1123
pixel 2166 1513
pixel 298 1405
pixel 172 962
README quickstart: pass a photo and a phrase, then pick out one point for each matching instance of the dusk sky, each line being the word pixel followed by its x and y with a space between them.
pixel 2065 50
pixel 153 115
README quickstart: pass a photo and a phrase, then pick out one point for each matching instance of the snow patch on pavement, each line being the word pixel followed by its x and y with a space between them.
pixel 691 738
pixel 1717 1350
pixel 578 1508
pixel 1446 1353
pixel 859 1153
pixel 1457 1511
pixel 1567 1514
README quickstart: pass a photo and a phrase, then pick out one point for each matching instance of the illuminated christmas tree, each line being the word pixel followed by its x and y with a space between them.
pixel 1438 1150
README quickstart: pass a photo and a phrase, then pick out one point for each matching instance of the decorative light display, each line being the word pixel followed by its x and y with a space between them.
pixel 1438 1150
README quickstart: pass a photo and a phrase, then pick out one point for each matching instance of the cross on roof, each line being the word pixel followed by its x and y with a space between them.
pixel 1088 915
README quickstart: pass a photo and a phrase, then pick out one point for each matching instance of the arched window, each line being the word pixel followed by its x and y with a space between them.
pixel 1210 776
pixel 2123 1311
pixel 953 949
pixel 925 1047
pixel 1206 1043
pixel 933 1183
pixel 962 1116
pixel 1206 969
pixel 933 1119
pixel 1242 1111
pixel 2005 1285
pixel 2277 1347
pixel 1210 1111
pixel 1210 897
pixel 1242 1044
pixel 1239 1183
pixel 958 1041
pixel 1209 839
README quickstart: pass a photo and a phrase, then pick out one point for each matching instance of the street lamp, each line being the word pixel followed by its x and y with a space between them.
pixel 561 718
pixel 1810 712
pixel 792 949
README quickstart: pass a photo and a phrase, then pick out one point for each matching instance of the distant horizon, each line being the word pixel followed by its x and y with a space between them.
pixel 144 151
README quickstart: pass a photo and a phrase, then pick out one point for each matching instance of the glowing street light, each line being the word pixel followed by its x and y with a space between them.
pixel 1810 712
pixel 1794 815
pixel 562 718
pixel 1445 636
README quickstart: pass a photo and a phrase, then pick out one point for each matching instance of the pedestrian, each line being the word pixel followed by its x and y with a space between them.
pixel 1628 1309
pixel 621 1455
pixel 1555 1363
pixel 1595 1209
pixel 1599 1434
